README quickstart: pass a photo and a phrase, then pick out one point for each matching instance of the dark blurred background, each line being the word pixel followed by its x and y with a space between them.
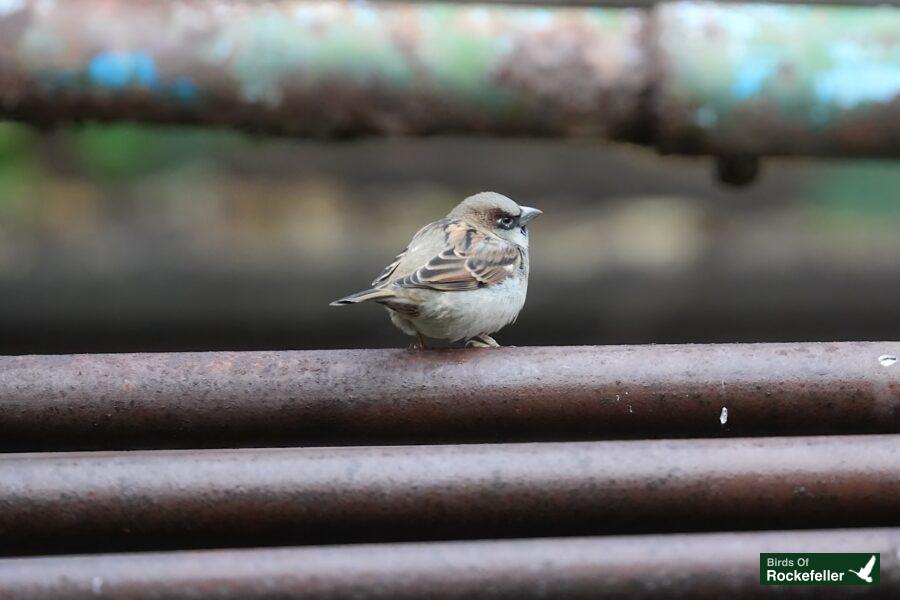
pixel 127 238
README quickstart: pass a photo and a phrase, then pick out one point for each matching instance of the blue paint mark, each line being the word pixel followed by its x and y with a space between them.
pixel 117 70
pixel 852 85
pixel 144 70
pixel 184 89
pixel 109 70
pixel 537 17
pixel 751 77
pixel 365 15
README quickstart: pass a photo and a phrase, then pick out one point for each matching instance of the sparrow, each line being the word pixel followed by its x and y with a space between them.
pixel 463 277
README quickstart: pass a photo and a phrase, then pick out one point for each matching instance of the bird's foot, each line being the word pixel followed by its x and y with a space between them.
pixel 482 341
pixel 419 344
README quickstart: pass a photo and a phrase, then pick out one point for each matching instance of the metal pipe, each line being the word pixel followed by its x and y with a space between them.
pixel 664 566
pixel 751 80
pixel 177 499
pixel 731 80
pixel 120 401
pixel 325 68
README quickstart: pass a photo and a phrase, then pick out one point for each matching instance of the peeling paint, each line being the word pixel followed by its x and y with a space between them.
pixel 493 60
pixel 731 79
pixel 118 70
pixel 853 85
pixel 757 79
pixel 752 76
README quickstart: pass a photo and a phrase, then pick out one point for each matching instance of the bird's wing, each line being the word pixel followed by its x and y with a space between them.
pixel 470 259
pixel 424 238
pixel 423 245
pixel 869 566
pixel 389 270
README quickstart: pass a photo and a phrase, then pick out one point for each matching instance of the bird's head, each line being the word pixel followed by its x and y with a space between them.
pixel 498 214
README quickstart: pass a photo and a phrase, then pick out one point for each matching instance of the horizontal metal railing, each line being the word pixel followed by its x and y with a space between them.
pixel 659 566
pixel 176 499
pixel 729 80
pixel 344 397
pixel 423 519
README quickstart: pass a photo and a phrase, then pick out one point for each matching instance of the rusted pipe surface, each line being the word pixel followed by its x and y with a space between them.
pixel 755 79
pixel 248 497
pixel 688 77
pixel 659 566
pixel 325 68
pixel 397 396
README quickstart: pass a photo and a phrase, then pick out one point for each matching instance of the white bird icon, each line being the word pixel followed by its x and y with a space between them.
pixel 865 572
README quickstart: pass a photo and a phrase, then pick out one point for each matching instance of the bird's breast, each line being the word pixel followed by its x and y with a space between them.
pixel 460 315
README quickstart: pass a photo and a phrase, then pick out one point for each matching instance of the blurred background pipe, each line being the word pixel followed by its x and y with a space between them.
pixel 665 566
pixel 684 77
pixel 327 68
pixel 751 80
pixel 179 499
pixel 119 401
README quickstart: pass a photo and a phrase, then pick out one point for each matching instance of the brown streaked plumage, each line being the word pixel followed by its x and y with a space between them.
pixel 472 259
pixel 462 277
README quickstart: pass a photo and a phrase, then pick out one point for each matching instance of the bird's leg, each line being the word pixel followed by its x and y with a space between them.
pixel 419 344
pixel 491 342
pixel 482 341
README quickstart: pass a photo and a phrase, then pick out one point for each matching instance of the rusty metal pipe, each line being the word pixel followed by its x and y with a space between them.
pixel 736 81
pixel 174 499
pixel 346 397
pixel 661 566
pixel 325 68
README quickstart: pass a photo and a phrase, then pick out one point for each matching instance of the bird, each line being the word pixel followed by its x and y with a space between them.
pixel 463 277
pixel 866 572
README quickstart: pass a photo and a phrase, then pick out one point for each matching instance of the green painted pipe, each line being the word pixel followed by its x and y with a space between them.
pixel 757 79
pixel 684 77
pixel 326 68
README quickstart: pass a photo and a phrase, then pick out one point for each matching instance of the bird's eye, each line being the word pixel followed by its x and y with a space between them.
pixel 506 222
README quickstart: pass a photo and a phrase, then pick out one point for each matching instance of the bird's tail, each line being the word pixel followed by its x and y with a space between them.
pixel 364 296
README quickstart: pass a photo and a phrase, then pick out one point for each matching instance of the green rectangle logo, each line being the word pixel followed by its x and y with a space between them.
pixel 822 568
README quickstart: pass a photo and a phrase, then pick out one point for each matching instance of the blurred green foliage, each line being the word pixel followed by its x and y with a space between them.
pixel 106 154
pixel 116 155
pixel 19 167
pixel 864 188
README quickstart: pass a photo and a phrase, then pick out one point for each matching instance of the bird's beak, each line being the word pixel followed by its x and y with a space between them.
pixel 528 214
